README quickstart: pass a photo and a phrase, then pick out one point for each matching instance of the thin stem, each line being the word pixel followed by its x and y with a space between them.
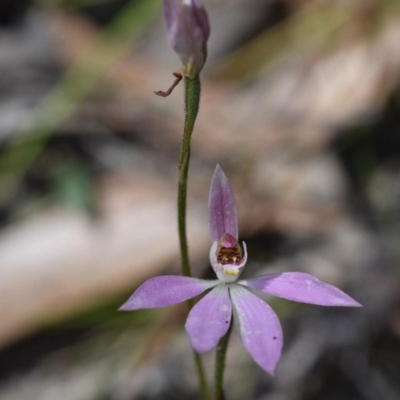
pixel 192 100
pixel 220 365
pixel 201 376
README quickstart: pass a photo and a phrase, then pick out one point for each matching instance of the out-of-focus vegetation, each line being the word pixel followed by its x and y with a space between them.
pixel 301 107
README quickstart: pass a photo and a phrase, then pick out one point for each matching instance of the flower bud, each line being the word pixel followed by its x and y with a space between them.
pixel 188 31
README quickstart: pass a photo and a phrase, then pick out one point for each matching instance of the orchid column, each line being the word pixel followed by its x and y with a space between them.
pixel 188 31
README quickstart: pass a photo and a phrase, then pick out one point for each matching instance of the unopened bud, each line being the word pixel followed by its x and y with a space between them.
pixel 188 31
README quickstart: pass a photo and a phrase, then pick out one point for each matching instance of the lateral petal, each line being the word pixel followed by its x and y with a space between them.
pixel 209 319
pixel 258 326
pixel 301 287
pixel 166 290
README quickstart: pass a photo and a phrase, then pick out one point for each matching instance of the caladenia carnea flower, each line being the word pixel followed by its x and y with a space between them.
pixel 188 31
pixel 229 297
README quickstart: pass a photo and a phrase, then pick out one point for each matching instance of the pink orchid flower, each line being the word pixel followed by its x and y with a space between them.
pixel 188 31
pixel 256 322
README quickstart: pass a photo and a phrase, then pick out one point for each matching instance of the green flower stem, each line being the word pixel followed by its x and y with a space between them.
pixel 202 376
pixel 192 100
pixel 220 365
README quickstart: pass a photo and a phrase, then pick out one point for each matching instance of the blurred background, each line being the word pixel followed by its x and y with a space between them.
pixel 300 106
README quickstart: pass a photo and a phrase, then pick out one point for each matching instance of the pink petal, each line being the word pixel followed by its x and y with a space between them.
pixel 172 11
pixel 222 207
pixel 201 17
pixel 209 319
pixel 178 28
pixel 259 328
pixel 166 290
pixel 301 287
